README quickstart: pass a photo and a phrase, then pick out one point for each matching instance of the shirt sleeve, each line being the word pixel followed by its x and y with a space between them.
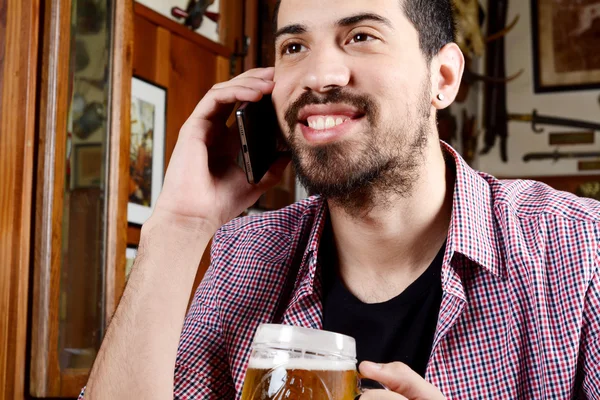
pixel 589 352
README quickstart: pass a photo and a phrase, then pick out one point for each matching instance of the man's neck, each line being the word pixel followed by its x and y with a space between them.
pixel 384 251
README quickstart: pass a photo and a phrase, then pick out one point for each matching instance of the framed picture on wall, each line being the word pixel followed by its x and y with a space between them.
pixel 147 149
pixel 565 44
pixel 88 163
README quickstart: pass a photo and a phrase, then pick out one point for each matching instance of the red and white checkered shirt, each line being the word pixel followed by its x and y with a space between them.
pixel 520 312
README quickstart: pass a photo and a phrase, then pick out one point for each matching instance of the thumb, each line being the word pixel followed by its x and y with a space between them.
pixel 399 378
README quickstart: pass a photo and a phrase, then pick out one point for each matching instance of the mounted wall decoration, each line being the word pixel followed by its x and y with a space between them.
pixel 195 12
pixel 89 159
pixel 147 148
pixel 565 41
pixel 589 189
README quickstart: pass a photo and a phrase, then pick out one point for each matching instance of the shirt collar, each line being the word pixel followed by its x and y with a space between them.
pixel 473 226
pixel 317 211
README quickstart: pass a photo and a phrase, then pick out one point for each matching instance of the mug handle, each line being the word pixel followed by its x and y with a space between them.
pixel 365 384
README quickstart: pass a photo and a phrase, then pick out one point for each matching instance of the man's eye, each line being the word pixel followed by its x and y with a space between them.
pixel 361 37
pixel 293 48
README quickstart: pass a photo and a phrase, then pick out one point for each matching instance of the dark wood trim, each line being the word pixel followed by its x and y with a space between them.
pixel 202 268
pixel 19 21
pixel 222 72
pixel 133 235
pixel 251 30
pixel 231 26
pixel 180 30
pixel 71 382
pixel 53 111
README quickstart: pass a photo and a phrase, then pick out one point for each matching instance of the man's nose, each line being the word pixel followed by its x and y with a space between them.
pixel 326 69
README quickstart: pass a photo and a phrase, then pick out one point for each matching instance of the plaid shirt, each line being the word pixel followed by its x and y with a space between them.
pixel 520 312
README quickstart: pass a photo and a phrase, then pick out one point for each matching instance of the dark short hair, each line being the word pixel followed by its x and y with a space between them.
pixel 433 20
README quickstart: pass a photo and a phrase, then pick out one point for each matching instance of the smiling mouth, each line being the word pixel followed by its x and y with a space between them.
pixel 324 122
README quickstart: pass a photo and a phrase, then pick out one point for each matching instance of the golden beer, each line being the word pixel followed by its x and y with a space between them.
pixel 306 381
pixel 293 363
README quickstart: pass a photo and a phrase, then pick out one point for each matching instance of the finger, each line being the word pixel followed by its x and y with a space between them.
pixel 263 85
pixel 262 73
pixel 399 378
pixel 381 395
pixel 219 103
pixel 228 143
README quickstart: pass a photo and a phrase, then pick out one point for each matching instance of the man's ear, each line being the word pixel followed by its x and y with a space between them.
pixel 447 71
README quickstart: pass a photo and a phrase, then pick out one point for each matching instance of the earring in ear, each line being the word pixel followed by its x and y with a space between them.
pixel 441 97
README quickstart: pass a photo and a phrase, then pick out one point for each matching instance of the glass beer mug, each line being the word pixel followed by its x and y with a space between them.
pixel 289 362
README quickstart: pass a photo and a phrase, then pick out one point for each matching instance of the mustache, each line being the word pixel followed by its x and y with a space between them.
pixel 363 103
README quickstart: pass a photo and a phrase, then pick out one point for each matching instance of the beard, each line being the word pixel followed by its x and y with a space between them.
pixel 357 175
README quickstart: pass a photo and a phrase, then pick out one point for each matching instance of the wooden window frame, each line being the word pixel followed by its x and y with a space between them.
pixel 19 32
pixel 46 377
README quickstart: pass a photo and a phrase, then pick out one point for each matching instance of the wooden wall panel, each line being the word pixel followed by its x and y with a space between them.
pixel 19 32
pixel 231 28
pixel 144 48
pixel 251 30
pixel 222 73
pixel 202 268
pixel 193 73
pixel 266 57
pixel 163 59
pixel 3 16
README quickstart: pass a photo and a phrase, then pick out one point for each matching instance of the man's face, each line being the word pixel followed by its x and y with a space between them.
pixel 353 96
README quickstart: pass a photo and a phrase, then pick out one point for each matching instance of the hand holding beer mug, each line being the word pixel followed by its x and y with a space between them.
pixel 289 362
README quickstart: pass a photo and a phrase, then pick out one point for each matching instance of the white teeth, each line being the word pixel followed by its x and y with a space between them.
pixel 320 124
pixel 325 122
pixel 329 123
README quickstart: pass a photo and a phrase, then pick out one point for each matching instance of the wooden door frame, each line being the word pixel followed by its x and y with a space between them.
pixel 19 31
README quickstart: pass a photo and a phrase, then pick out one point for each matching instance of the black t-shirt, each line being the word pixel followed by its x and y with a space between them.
pixel 400 329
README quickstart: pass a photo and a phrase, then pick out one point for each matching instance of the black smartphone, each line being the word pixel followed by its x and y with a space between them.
pixel 260 136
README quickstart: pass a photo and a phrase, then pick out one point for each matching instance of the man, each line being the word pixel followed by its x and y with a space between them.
pixel 454 283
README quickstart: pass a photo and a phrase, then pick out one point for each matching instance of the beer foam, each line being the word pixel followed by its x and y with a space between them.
pixel 303 363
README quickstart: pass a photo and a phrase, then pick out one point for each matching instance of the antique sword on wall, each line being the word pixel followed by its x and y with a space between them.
pixel 557 155
pixel 537 119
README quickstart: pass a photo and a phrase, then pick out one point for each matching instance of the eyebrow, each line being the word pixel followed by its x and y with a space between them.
pixel 298 29
pixel 355 19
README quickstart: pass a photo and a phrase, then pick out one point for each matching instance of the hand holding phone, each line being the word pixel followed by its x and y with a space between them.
pixel 204 186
